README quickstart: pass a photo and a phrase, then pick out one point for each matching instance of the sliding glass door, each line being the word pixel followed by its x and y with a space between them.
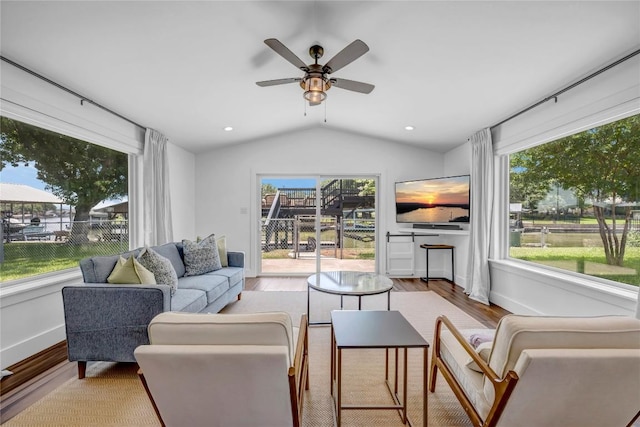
pixel 311 224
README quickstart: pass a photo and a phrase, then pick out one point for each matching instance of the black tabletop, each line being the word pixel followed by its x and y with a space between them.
pixel 374 329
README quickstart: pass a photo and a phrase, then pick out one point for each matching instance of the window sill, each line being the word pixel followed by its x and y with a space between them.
pixel 25 289
pixel 597 289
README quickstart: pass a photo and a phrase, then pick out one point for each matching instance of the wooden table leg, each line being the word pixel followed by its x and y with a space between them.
pixel 425 400
pixel 339 391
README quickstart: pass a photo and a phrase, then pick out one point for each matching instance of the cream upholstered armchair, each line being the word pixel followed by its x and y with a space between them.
pixel 544 371
pixel 225 369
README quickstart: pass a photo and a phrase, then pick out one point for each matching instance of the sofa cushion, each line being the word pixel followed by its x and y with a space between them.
pixel 201 257
pixel 170 252
pixel 130 271
pixel 456 359
pixel 188 300
pixel 212 285
pixel 161 268
pixel 233 274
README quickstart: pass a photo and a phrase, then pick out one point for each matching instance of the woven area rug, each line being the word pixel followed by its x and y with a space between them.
pixel 112 395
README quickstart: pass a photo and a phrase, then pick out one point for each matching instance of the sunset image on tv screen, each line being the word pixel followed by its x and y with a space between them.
pixel 433 200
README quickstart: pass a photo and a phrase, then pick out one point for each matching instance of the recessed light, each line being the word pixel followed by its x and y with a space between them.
pixel 409 128
pixel 228 129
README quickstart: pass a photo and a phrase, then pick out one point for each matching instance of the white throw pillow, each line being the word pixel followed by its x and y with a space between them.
pixel 483 350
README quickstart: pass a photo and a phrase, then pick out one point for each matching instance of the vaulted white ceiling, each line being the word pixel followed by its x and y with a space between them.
pixel 189 69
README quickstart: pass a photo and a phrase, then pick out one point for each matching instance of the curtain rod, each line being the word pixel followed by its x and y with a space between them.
pixel 561 91
pixel 83 99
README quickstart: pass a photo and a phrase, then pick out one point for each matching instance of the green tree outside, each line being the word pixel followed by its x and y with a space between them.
pixel 267 189
pixel 601 164
pixel 80 173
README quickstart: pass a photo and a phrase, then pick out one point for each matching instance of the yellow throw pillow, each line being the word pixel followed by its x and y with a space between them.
pixel 130 271
pixel 222 250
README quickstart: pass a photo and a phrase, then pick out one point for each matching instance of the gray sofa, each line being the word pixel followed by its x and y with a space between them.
pixel 106 322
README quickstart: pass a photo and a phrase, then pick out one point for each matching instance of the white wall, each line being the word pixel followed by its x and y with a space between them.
pixel 227 202
pixel 183 192
pixel 524 288
pixel 458 162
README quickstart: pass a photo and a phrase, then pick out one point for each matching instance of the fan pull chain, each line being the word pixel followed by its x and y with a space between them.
pixel 304 102
pixel 325 111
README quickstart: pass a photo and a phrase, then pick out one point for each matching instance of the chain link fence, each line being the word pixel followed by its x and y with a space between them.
pixel 41 247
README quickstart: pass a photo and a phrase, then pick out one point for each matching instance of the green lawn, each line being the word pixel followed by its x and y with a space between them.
pixel 589 260
pixel 582 220
pixel 25 259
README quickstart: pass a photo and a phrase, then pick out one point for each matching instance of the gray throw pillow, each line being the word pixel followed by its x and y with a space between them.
pixel 161 268
pixel 201 257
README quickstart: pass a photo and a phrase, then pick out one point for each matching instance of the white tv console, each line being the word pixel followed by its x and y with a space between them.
pixel 401 249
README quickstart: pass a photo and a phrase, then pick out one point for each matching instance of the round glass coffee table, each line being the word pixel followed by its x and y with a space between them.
pixel 348 283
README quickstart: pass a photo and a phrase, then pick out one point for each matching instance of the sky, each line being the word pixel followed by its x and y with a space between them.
pixel 26 175
pixel 291 182
pixel 434 191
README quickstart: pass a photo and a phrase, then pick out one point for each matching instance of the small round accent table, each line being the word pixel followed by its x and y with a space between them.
pixel 348 283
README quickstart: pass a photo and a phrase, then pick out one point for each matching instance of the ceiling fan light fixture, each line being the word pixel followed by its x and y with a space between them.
pixel 314 97
pixel 315 88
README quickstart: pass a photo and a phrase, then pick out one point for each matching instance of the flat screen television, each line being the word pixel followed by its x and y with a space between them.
pixel 434 201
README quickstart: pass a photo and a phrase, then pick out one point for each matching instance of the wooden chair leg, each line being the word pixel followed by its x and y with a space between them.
pixel 82 369
pixel 239 296
pixel 433 374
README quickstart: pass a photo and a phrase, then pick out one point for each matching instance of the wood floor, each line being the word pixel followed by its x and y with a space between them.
pixel 487 315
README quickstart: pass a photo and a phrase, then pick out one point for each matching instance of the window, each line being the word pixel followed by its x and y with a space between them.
pixel 575 202
pixel 62 199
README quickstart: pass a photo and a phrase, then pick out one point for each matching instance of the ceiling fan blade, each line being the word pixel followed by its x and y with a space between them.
pixel 352 85
pixel 346 56
pixel 284 51
pixel 266 83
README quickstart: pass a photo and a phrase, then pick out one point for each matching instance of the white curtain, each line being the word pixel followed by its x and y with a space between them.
pixel 638 306
pixel 157 224
pixel 478 282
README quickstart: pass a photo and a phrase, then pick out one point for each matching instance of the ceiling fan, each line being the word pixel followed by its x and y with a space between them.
pixel 316 80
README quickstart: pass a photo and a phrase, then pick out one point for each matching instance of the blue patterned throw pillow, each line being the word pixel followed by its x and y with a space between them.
pixel 161 268
pixel 201 257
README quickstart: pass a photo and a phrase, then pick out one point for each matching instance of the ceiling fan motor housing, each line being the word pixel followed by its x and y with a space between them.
pixel 316 52
pixel 315 77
